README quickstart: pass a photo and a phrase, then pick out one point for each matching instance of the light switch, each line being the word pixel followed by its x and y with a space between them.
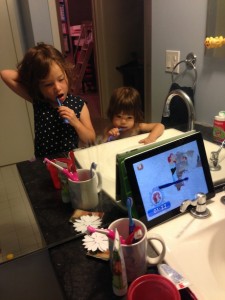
pixel 172 58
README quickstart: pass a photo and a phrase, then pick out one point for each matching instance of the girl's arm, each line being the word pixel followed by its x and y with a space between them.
pixel 154 129
pixel 11 79
pixel 83 126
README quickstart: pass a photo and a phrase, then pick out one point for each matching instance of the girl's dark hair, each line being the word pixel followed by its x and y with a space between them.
pixel 36 65
pixel 126 100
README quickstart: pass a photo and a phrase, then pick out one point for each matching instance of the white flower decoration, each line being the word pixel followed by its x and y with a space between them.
pixel 96 241
pixel 80 225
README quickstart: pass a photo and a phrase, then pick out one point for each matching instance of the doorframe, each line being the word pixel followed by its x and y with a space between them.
pixel 148 59
pixel 100 32
pixel 100 54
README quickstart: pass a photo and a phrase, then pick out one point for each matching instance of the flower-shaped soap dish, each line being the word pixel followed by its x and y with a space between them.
pixel 96 241
pixel 80 225
pixel 96 244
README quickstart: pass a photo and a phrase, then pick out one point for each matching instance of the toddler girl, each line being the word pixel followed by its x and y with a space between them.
pixel 126 117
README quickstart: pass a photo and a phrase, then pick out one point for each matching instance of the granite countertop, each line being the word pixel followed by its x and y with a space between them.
pixel 206 131
pixel 52 215
pixel 80 276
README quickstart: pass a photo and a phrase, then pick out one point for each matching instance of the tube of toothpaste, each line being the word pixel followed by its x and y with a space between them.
pixel 168 272
pixel 119 280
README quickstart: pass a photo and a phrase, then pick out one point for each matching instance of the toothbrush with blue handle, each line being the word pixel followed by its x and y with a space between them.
pixel 60 104
pixel 131 221
pixel 93 167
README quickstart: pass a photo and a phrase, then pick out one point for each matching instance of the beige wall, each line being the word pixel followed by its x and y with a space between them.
pixel 16 140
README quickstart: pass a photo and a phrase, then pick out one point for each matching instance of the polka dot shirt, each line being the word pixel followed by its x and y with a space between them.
pixel 52 134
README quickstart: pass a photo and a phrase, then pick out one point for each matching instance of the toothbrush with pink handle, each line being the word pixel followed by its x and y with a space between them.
pixel 71 176
pixel 110 233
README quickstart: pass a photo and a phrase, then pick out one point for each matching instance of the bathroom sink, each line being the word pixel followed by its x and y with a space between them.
pixel 196 249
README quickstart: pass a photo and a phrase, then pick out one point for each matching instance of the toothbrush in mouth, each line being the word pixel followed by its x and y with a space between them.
pixel 111 137
pixel 60 104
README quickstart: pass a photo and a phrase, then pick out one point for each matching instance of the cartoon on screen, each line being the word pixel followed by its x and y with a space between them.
pixel 178 173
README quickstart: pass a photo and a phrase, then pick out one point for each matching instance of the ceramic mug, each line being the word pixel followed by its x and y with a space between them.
pixel 136 255
pixel 84 193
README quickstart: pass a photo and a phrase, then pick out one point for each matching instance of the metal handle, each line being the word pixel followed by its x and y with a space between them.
pixel 190 62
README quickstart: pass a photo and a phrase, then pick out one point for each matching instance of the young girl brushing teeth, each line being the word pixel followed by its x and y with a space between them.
pixel 42 77
pixel 126 117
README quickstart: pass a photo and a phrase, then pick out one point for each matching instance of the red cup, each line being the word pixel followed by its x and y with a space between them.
pixel 152 286
pixel 54 171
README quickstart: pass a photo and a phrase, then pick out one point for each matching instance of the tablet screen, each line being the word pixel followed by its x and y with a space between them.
pixel 163 177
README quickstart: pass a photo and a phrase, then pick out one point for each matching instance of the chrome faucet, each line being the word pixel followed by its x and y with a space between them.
pixel 199 210
pixel 187 100
pixel 214 158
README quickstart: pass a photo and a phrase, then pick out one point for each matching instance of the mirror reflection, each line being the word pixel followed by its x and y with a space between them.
pixel 124 67
pixel 128 50
pixel 128 69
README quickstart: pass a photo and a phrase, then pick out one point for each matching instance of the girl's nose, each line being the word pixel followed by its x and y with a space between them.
pixel 57 86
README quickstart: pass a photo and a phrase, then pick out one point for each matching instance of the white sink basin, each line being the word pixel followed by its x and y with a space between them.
pixel 196 249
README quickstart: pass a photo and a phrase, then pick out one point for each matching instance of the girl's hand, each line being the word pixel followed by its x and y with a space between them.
pixel 83 126
pixel 147 140
pixel 114 132
pixel 69 114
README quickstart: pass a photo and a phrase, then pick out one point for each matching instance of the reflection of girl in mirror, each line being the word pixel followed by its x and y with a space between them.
pixel 43 78
pixel 126 117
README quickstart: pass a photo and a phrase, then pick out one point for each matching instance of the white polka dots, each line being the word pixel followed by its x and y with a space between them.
pixel 52 135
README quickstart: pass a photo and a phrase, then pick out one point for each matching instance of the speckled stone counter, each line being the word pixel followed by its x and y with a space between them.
pixel 81 277
pixel 51 213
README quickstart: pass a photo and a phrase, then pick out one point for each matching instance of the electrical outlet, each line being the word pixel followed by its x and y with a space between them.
pixel 172 58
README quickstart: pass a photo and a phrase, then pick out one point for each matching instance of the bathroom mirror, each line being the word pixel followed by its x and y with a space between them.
pixel 127 16
pixel 127 28
pixel 215 25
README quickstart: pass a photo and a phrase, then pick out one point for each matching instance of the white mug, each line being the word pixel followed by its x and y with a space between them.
pixel 136 255
pixel 84 193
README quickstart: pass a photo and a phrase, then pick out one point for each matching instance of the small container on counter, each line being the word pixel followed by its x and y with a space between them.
pixel 219 127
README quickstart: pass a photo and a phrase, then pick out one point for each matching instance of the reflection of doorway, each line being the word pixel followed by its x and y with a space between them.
pixel 118 38
pixel 119 33
pixel 77 44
